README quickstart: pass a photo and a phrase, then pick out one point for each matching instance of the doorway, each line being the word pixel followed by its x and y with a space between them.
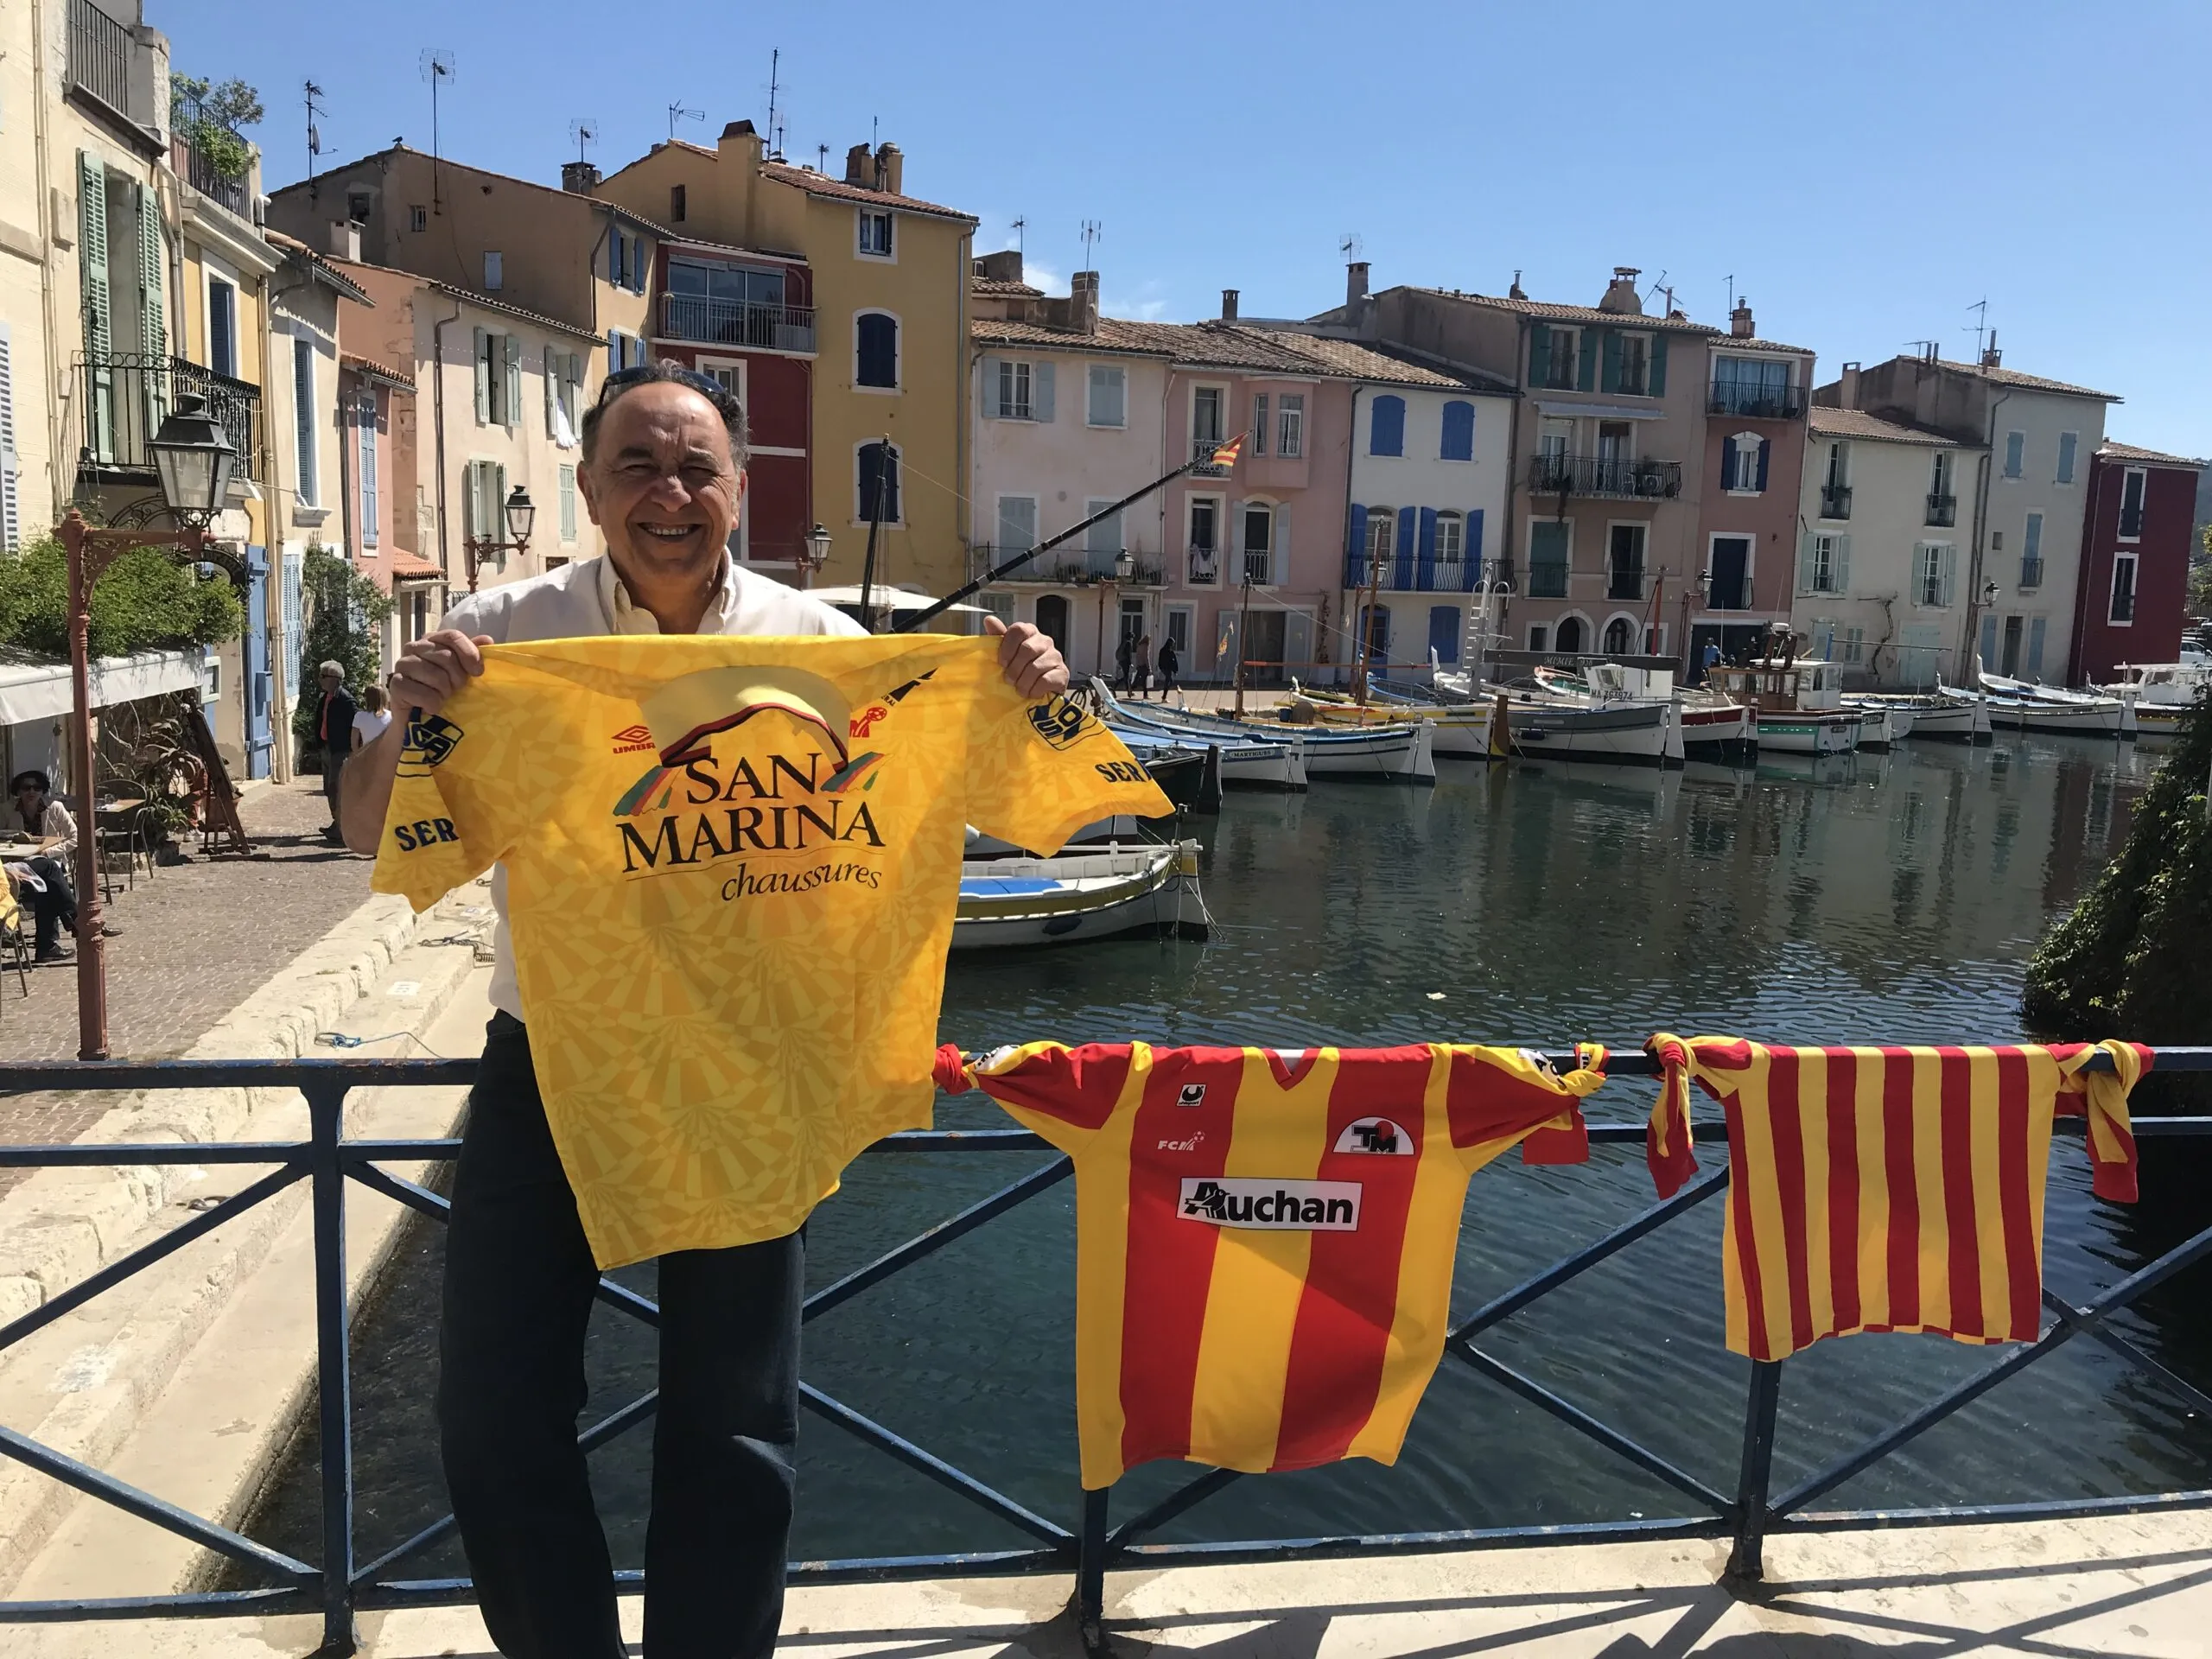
pixel 1620 637
pixel 1731 565
pixel 1263 652
pixel 2012 628
pixel 1567 638
pixel 1053 619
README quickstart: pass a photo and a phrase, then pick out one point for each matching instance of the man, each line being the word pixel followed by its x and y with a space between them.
pixel 663 476
pixel 1170 661
pixel 334 729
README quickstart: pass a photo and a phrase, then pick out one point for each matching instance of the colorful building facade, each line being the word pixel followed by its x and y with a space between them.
pixel 2135 552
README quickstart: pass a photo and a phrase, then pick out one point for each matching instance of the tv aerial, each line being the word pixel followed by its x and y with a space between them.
pixel 1350 246
pixel 676 112
pixel 584 131
pixel 438 70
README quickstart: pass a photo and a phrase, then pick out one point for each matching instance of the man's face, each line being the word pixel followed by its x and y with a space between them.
pixel 662 485
pixel 28 796
pixel 332 682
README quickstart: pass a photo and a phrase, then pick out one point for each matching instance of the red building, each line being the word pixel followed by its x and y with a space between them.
pixel 746 318
pixel 2135 546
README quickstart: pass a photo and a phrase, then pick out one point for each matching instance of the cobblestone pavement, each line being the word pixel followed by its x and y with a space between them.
pixel 194 940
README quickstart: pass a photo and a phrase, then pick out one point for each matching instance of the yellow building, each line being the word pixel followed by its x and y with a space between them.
pixel 888 285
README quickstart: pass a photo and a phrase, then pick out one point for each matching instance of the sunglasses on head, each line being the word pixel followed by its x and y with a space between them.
pixel 715 392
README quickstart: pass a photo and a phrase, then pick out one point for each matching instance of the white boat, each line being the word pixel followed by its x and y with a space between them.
pixel 1402 752
pixel 1879 725
pixel 2161 693
pixel 1799 704
pixel 1954 718
pixel 1709 726
pixel 1089 894
pixel 2017 705
pixel 1243 764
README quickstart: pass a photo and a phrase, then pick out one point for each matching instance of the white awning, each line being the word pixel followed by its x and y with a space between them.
pixel 31 691
pixel 1599 411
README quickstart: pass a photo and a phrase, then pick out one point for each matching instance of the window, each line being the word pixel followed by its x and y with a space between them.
pixel 222 327
pixel 627 259
pixel 1451 537
pixel 625 352
pixel 564 391
pixel 1540 637
pixel 1636 363
pixel 1743 463
pixel 2121 611
pixel 1549 544
pixel 2131 503
pixel 418 218
pixel 1386 431
pixel 484 497
pixel 1553 358
pixel 1204 513
pixel 877 467
pixel 876 233
pixel 1105 535
pixel 2015 447
pixel 2031 553
pixel 1208 404
pixel 2038 626
pixel 1838 476
pixel 1290 425
pixel 493 271
pixel 1828 565
pixel 1555 440
pixel 365 430
pixel 876 349
pixel 1625 561
pixel 1620 635
pixel 1939 473
pixel 1109 402
pixel 499 379
pixel 1459 441
pixel 1179 629
pixel 304 418
pixel 1259 544
pixel 1017 531
pixel 1932 563
pixel 1754 386
pixel 1016 390
pixel 999 604
pixel 1381 531
pixel 676 203
pixel 1260 423
pixel 568 504
pixel 2068 444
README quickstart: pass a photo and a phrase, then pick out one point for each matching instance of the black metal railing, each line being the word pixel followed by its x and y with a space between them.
pixel 1203 567
pixel 1603 475
pixel 1624 581
pixel 339 1585
pixel 209 157
pixel 1835 500
pixel 101 52
pixel 1202 451
pixel 1547 578
pixel 1943 511
pixel 2030 573
pixel 1755 402
pixel 127 395
pixel 2123 606
pixel 737 323
pixel 1428 575
pixel 1068 567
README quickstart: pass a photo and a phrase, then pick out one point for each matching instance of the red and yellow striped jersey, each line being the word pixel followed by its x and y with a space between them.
pixel 1265 1238
pixel 1887 1189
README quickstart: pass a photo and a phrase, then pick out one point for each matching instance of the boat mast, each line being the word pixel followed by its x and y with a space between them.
pixel 1367 625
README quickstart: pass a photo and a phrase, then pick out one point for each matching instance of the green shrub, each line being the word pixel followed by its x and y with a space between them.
pixel 146 601
pixel 345 624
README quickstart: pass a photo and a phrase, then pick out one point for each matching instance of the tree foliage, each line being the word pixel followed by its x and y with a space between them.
pixel 344 625
pixel 207 115
pixel 145 602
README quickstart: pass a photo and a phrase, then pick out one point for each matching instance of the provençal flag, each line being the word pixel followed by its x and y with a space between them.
pixel 1264 1238
pixel 1888 1189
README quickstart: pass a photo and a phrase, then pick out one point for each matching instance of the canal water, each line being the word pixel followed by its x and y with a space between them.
pixel 1871 898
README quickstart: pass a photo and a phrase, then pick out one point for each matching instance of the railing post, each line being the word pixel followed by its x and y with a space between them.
pixel 1090 1572
pixel 1755 1481
pixel 334 1366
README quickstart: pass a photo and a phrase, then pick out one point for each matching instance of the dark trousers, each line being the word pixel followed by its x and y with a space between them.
pixel 52 909
pixel 332 763
pixel 519 1281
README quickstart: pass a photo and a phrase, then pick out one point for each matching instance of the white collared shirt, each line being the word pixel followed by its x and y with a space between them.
pixel 588 598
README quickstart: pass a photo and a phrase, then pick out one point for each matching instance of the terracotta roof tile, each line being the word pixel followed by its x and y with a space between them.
pixel 2119 451
pixel 1111 338
pixel 1575 313
pixel 2027 382
pixel 1731 343
pixel 1357 359
pixel 993 285
pixel 821 184
pixel 1857 423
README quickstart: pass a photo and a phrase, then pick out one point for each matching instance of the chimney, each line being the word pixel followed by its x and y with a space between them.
pixel 860 168
pixel 345 240
pixel 1228 305
pixel 579 178
pixel 1004 266
pixel 1739 321
pixel 1991 357
pixel 1516 292
pixel 1355 282
pixel 1847 392
pixel 1083 301
pixel 891 169
pixel 1620 297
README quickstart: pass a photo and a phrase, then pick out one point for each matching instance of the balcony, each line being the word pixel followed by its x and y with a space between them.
pixel 1203 567
pixel 2131 523
pixel 210 156
pixel 1835 500
pixel 1547 578
pixel 1756 403
pixel 1624 581
pixel 2031 573
pixel 101 55
pixel 127 395
pixel 1419 576
pixel 1943 511
pixel 1600 475
pixel 1202 451
pixel 707 321
pixel 1062 568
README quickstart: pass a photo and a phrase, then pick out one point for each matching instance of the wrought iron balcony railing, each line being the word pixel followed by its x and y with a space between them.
pixel 1943 511
pixel 737 323
pixel 1203 567
pixel 1624 581
pixel 1063 567
pixel 1835 500
pixel 1202 451
pixel 127 395
pixel 1547 578
pixel 1600 475
pixel 101 57
pixel 1755 402
pixel 2031 573
pixel 208 156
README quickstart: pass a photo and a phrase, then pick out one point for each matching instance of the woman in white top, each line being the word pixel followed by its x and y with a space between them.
pixel 372 716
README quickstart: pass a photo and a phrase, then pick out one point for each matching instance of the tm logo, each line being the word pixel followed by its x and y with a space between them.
pixel 1376 1136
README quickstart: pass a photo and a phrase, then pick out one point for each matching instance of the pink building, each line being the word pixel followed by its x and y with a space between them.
pixel 1756 393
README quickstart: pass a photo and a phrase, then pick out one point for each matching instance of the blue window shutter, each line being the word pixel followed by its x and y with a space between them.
pixel 1766 453
pixel 1540 353
pixel 1587 379
pixel 1472 575
pixel 1658 368
pixel 1458 430
pixel 1727 463
pixel 1427 572
pixel 1609 374
pixel 1356 546
pixel 613 351
pixel 1409 528
pixel 1387 427
pixel 1041 400
pixel 1444 632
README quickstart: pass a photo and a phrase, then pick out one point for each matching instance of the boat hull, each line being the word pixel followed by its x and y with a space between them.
pixel 1814 734
pixel 1074 898
pixel 1628 731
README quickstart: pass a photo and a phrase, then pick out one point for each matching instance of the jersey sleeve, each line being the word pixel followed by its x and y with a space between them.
pixel 1038 772
pixel 1497 1096
pixel 1064 1094
pixel 449 820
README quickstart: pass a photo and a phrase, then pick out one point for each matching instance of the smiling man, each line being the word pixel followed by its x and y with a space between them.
pixel 662 477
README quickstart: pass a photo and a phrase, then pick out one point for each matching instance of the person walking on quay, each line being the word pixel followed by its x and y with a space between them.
pixel 1124 649
pixel 1169 663
pixel 334 729
pixel 662 475
pixel 1140 667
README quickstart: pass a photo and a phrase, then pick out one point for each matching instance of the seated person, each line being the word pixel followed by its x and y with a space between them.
pixel 42 888
pixel 37 813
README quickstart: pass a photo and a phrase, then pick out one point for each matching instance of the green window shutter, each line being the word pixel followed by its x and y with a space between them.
pixel 552 392
pixel 1805 563
pixel 1540 353
pixel 92 251
pixel 991 389
pixel 1843 564
pixel 153 325
pixel 483 380
pixel 1041 398
pixel 510 358
pixel 1658 371
pixel 1609 374
pixel 1587 379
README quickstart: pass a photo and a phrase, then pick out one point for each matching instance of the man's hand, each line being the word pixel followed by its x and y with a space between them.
pixel 1032 663
pixel 432 669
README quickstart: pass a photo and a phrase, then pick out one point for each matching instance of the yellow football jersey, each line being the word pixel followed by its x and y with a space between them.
pixel 732 867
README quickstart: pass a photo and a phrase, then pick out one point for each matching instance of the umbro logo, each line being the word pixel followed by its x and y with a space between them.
pixel 631 739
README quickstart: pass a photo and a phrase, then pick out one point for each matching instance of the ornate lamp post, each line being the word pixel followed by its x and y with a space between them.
pixel 816 556
pixel 193 460
pixel 521 512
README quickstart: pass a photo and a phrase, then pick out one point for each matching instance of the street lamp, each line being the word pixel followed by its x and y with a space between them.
pixel 521 512
pixel 193 460
pixel 816 556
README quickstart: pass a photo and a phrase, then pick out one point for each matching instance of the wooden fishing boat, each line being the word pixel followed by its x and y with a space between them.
pixel 1799 704
pixel 1086 893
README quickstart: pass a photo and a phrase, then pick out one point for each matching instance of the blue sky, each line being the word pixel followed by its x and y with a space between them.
pixel 1864 172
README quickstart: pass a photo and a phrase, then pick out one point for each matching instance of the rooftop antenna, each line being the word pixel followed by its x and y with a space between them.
pixel 1980 308
pixel 775 85
pixel 584 131
pixel 822 158
pixel 1349 245
pixel 872 124
pixel 1926 348
pixel 676 112
pixel 1092 229
pixel 438 70
pixel 314 136
pixel 1659 286
pixel 1018 227
pixel 1731 292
